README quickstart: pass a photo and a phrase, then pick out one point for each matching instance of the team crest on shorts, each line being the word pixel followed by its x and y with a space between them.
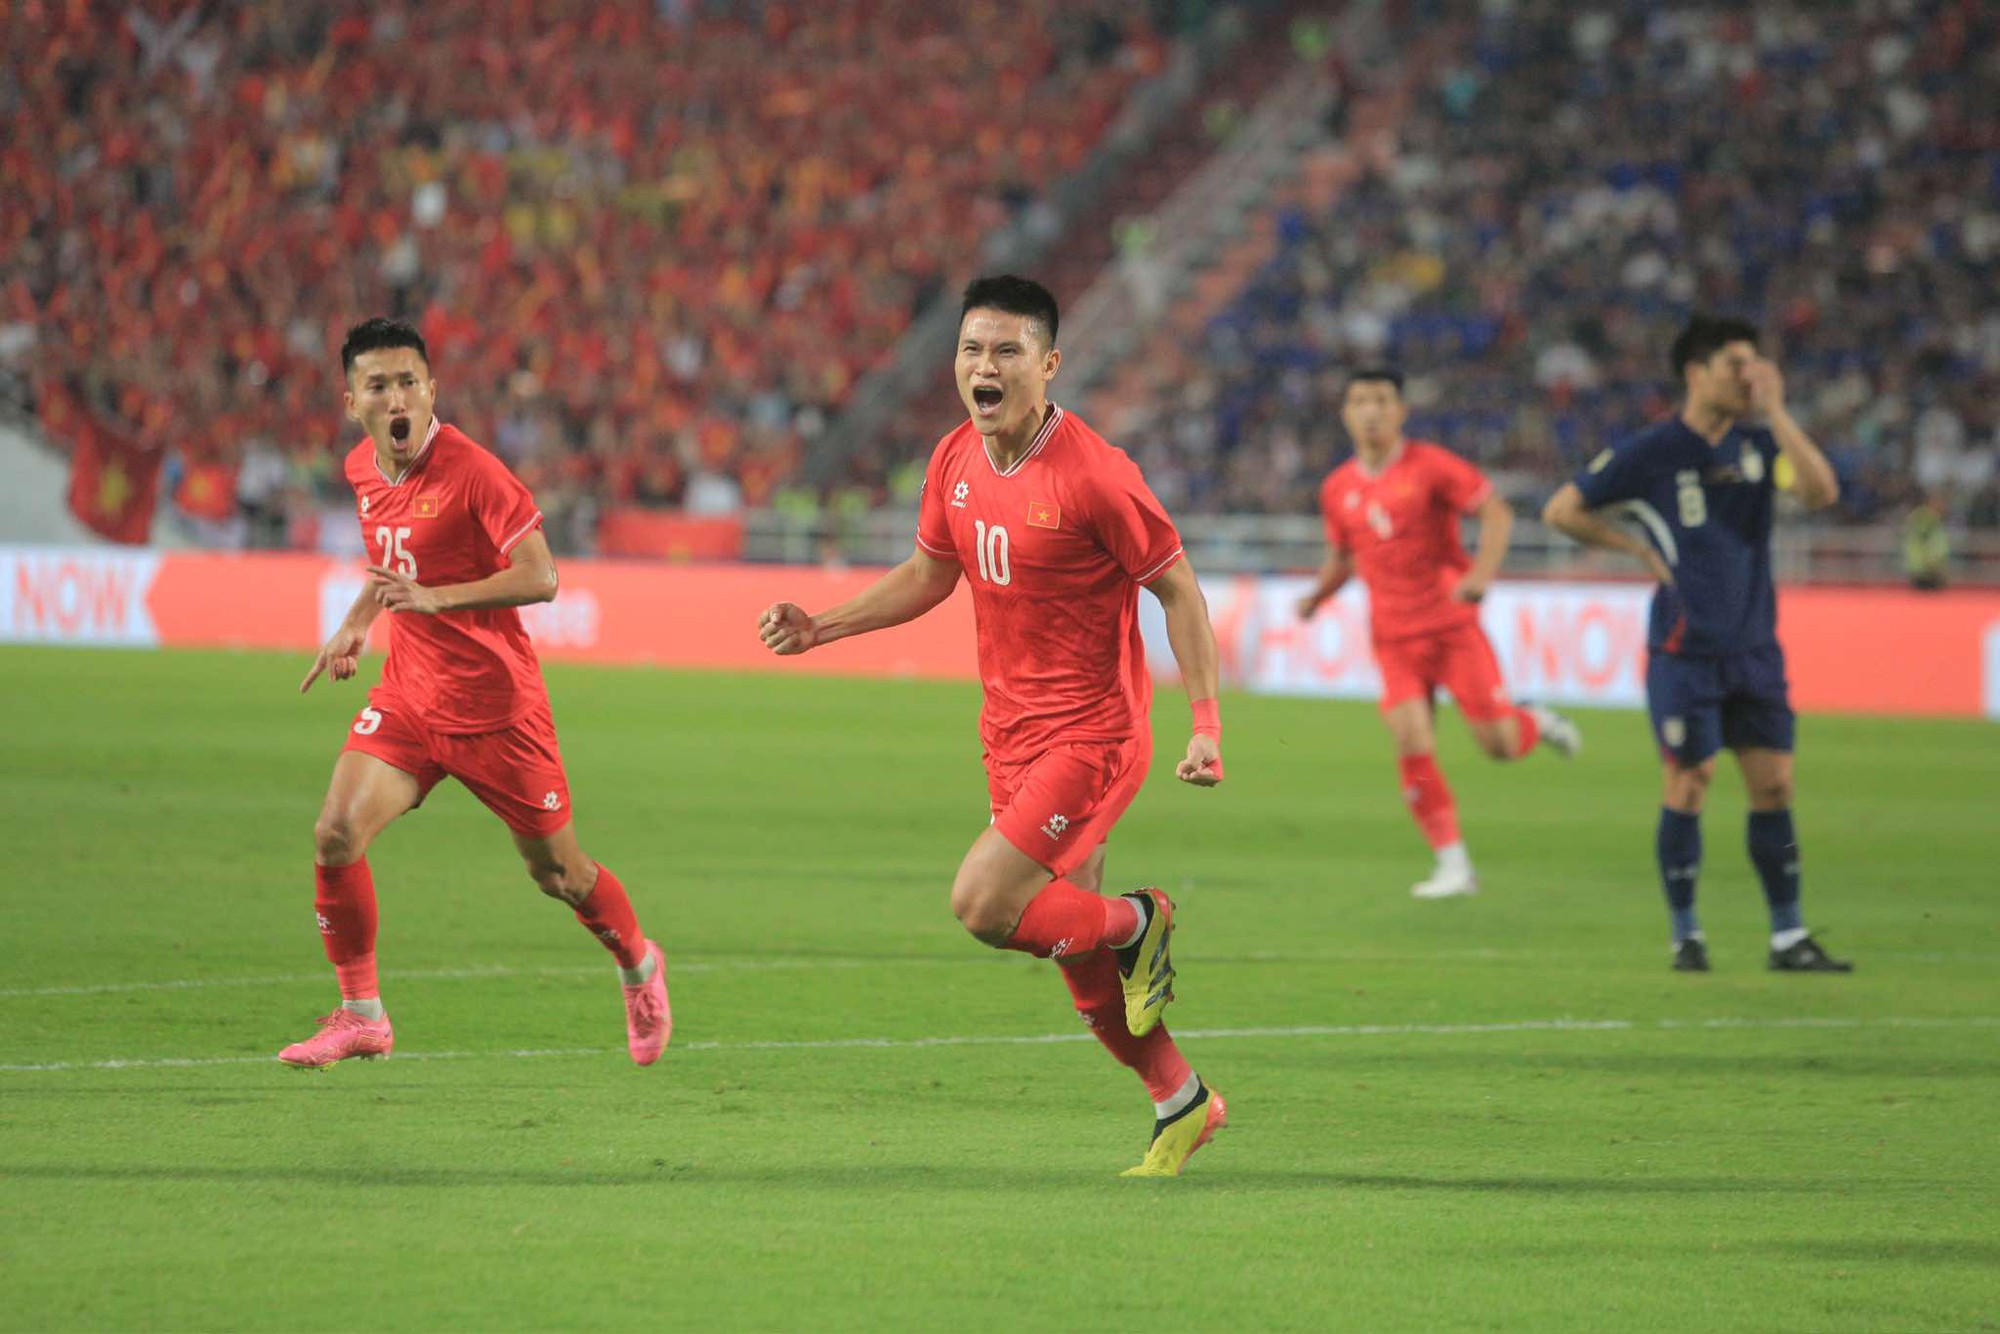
pixel 1674 731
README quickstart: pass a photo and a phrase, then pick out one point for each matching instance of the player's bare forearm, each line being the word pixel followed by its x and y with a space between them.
pixel 1193 641
pixel 530 578
pixel 363 612
pixel 1334 572
pixel 515 586
pixel 1566 513
pixel 903 594
pixel 1496 531
pixel 1817 485
pixel 1189 633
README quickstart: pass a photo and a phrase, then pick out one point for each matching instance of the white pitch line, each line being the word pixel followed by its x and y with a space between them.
pixel 486 972
pixel 1044 1039
pixel 482 972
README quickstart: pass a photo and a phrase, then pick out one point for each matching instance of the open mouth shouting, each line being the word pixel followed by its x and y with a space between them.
pixel 399 429
pixel 986 401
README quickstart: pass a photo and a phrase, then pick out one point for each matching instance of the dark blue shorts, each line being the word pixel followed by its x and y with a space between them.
pixel 1702 704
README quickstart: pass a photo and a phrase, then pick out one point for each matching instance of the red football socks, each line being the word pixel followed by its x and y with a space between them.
pixel 608 915
pixel 1100 1000
pixel 1064 920
pixel 1527 733
pixel 344 897
pixel 1430 799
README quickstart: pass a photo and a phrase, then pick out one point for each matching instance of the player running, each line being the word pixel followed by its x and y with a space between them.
pixel 1392 515
pixel 1702 484
pixel 1056 531
pixel 458 546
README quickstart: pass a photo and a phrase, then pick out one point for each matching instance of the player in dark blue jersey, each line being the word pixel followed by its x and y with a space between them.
pixel 1701 487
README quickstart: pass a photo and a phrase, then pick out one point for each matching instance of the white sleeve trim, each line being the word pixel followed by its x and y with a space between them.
pixel 1160 569
pixel 515 540
pixel 936 551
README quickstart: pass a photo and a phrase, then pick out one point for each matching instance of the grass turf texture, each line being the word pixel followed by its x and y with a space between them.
pixel 790 840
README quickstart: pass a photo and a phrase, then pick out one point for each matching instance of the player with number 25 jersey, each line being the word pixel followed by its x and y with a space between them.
pixel 456 548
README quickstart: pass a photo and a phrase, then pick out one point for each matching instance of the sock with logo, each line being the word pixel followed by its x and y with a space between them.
pixel 1677 846
pixel 608 915
pixel 1430 799
pixel 1774 851
pixel 1063 920
pixel 344 899
pixel 1099 994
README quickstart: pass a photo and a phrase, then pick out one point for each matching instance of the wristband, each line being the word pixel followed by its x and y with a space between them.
pixel 1207 717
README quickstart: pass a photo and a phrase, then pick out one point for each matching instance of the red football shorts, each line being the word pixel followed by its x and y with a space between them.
pixel 1060 805
pixel 517 772
pixel 1461 660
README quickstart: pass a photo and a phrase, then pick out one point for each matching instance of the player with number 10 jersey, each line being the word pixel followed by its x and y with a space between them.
pixel 1055 531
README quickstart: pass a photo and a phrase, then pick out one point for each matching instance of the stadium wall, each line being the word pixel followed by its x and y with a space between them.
pixel 1882 651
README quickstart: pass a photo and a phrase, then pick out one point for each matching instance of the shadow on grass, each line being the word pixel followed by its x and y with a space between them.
pixel 1038 1180
pixel 1849 1250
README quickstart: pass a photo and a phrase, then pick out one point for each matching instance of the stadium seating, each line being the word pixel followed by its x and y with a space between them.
pixel 652 244
pixel 1565 186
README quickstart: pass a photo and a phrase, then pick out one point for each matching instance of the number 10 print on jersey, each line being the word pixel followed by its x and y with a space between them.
pixel 1054 548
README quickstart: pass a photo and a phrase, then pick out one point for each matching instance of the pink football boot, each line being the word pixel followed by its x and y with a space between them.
pixel 341 1034
pixel 649 1019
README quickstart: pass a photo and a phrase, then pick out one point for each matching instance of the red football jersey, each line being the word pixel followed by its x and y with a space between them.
pixel 1055 549
pixel 451 519
pixel 1401 527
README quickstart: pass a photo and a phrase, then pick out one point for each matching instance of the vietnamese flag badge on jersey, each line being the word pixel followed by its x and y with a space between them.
pixel 1041 514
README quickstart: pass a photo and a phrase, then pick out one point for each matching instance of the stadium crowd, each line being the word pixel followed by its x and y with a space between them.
pixel 653 243
pixel 1568 185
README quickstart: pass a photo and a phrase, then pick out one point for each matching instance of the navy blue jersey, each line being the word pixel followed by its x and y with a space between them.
pixel 1707 510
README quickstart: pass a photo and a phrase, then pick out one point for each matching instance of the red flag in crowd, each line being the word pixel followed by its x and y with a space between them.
pixel 208 491
pixel 114 481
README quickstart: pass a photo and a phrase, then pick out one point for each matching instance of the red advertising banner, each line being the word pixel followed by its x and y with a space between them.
pixel 669 535
pixel 1883 651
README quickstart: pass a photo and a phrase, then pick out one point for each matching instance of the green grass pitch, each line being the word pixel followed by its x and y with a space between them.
pixel 1502 1112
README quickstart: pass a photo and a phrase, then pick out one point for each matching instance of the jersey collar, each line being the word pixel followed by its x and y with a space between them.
pixel 1035 447
pixel 429 436
pixel 1395 457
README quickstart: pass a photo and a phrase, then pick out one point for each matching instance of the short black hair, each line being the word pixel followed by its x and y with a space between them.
pixel 1706 335
pixel 1375 375
pixel 373 335
pixel 1016 296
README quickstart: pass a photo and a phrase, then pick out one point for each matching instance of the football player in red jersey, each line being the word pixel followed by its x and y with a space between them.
pixel 457 546
pixel 1392 515
pixel 1056 532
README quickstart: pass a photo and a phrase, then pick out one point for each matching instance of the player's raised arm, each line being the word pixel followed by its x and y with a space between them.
pixel 903 594
pixel 1567 513
pixel 340 656
pixel 1193 641
pixel 1817 486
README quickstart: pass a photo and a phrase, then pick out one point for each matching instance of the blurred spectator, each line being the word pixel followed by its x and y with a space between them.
pixel 1927 545
pixel 653 243
pixel 1566 186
